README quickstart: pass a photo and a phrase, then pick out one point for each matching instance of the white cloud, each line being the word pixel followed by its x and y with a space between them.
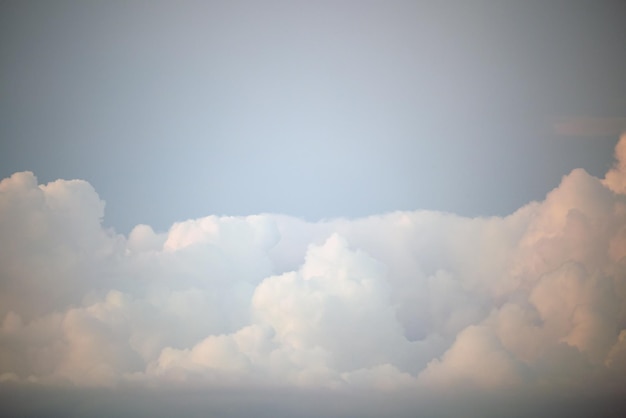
pixel 401 301
pixel 616 177
pixel 477 358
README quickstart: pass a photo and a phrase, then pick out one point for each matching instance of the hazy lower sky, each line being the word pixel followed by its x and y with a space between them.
pixel 313 209
pixel 315 109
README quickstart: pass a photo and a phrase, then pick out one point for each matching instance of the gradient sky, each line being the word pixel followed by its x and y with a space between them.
pixel 174 110
pixel 433 201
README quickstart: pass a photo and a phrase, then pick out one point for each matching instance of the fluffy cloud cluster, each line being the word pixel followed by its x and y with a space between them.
pixel 401 301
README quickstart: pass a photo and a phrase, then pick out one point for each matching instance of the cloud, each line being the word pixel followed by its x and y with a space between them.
pixel 616 177
pixel 477 358
pixel 406 302
pixel 589 126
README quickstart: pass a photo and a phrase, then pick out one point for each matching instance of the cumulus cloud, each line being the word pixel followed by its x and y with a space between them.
pixel 406 301
pixel 616 178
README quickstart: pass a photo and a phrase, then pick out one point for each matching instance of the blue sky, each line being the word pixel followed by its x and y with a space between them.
pixel 317 110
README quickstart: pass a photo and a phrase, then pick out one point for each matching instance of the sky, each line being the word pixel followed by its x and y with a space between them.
pixel 312 208
pixel 174 110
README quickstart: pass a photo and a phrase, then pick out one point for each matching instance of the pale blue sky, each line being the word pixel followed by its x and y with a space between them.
pixel 174 110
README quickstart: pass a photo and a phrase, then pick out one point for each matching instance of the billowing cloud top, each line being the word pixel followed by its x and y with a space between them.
pixel 413 301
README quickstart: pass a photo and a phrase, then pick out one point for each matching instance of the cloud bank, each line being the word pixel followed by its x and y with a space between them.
pixel 401 303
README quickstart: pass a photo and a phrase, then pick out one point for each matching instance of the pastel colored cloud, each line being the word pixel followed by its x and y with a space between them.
pixel 412 301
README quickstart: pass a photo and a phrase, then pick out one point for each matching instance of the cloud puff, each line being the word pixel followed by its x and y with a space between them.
pixel 413 301
pixel 616 178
